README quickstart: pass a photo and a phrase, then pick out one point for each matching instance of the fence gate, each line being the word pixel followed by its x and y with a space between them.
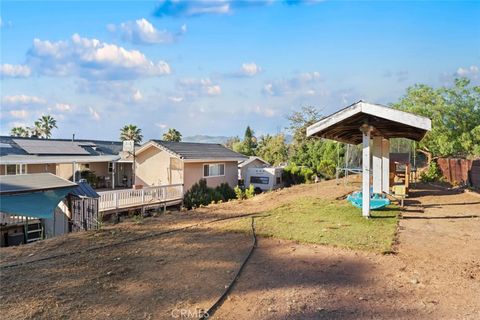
pixel 84 214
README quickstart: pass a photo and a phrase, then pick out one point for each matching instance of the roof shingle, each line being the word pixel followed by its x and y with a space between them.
pixel 200 151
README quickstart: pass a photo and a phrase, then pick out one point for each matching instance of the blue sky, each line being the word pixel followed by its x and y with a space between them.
pixel 215 66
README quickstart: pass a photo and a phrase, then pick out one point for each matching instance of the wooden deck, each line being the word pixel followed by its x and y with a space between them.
pixel 118 200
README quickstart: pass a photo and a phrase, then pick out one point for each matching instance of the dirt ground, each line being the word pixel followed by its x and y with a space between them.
pixel 434 275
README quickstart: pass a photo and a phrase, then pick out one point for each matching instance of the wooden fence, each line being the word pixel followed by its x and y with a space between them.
pixel 137 198
pixel 460 171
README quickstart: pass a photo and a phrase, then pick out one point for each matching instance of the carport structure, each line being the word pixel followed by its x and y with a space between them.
pixel 362 122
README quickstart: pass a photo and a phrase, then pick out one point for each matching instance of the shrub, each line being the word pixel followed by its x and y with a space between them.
pixel 250 192
pixel 432 174
pixel 239 193
pixel 326 168
pixel 90 176
pixel 293 174
pixel 201 195
pixel 226 192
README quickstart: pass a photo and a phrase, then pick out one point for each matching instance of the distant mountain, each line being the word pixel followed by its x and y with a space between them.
pixel 206 139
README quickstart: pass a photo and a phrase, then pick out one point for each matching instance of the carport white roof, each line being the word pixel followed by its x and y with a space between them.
pixel 344 125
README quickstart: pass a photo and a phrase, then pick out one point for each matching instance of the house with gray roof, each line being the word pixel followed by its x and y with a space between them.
pixel 103 163
pixel 164 162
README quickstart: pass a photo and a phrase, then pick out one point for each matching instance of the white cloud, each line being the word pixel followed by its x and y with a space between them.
pixel 193 8
pixel 142 31
pixel 250 69
pixel 117 91
pixel 15 70
pixel 21 114
pixel 306 84
pixel 264 111
pixel 192 87
pixel 94 114
pixel 92 59
pixel 175 99
pixel 22 99
pixel 186 8
pixel 5 24
pixel 64 107
pixel 137 95
pixel 161 125
pixel 469 72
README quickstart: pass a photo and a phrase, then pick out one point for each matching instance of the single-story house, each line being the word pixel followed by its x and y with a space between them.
pixel 165 162
pixel 68 159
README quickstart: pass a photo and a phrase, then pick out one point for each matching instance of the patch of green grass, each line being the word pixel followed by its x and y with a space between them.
pixel 336 223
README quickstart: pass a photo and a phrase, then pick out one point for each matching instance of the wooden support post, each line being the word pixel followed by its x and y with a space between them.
pixel 366 130
pixel 74 169
pixel 377 164
pixel 386 166
pixel 113 174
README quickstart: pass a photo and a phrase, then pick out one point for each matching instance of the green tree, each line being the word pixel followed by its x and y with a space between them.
pixel 172 135
pixel 131 132
pixel 273 149
pixel 44 126
pixel 248 145
pixel 455 115
pixel 319 155
pixel 300 120
pixel 19 132
pixel 231 142
pixel 250 142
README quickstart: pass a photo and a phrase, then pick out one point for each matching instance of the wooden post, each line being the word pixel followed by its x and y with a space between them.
pixel 115 199
pixel 386 166
pixel 164 199
pixel 366 130
pixel 113 174
pixel 74 165
pixel 377 164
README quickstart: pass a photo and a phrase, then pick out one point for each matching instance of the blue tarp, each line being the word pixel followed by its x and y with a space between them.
pixel 38 204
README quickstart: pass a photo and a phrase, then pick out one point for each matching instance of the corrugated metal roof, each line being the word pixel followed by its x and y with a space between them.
pixel 200 151
pixel 84 190
pixel 32 182
pixel 37 146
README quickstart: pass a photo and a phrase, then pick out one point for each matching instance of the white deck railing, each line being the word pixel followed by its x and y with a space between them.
pixel 8 219
pixel 123 199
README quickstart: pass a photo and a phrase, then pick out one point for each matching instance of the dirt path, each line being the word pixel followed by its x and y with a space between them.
pixel 434 275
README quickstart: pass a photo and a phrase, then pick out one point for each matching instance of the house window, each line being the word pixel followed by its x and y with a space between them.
pixel 12 169
pixel 110 167
pixel 259 180
pixel 214 170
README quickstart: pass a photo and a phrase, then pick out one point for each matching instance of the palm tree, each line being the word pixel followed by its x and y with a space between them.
pixel 35 131
pixel 44 125
pixel 19 132
pixel 131 132
pixel 172 135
